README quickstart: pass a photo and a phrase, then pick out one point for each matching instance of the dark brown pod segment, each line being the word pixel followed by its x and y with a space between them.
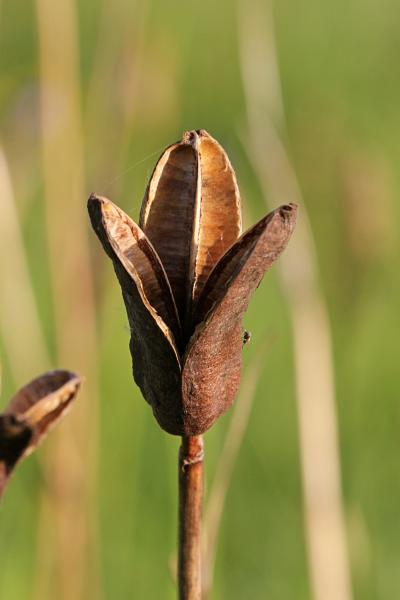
pixel 211 373
pixel 187 279
pixel 31 414
pixel 155 355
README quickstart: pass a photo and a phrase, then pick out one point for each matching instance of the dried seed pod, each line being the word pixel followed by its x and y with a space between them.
pixel 191 212
pixel 31 414
pixel 187 359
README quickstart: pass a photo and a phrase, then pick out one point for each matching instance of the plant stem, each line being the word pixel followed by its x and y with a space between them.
pixel 190 510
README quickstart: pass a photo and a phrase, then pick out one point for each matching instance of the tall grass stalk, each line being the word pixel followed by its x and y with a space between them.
pixel 314 371
pixel 73 463
pixel 19 321
pixel 225 467
pixel 118 64
pixel 19 318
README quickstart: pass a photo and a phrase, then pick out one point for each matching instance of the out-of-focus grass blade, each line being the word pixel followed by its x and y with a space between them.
pixel 73 296
pixel 19 319
pixel 324 518
pixel 226 463
pixel 119 61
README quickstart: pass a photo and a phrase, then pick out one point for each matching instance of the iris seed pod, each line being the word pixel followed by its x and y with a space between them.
pixel 186 276
pixel 30 415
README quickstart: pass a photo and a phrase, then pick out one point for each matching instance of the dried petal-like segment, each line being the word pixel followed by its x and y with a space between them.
pixel 211 372
pixel 191 212
pixel 43 401
pixel 131 247
pixel 31 414
pixel 156 364
pixel 168 213
pixel 219 224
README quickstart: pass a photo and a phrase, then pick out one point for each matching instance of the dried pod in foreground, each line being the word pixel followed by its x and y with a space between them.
pixel 186 277
pixel 30 414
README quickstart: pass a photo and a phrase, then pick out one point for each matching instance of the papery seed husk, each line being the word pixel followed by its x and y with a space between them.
pixel 220 212
pixel 40 404
pixel 31 414
pixel 137 255
pixel 211 372
pixel 168 214
pixel 155 356
pixel 191 213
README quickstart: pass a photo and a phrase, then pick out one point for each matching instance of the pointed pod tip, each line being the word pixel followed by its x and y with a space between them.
pixel 194 136
pixel 288 208
pixel 53 381
pixel 69 377
pixel 98 207
pixel 94 200
pixel 94 210
pixel 191 138
pixel 93 203
pixel 203 133
pixel 288 212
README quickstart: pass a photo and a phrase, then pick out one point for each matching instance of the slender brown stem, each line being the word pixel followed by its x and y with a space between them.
pixel 190 510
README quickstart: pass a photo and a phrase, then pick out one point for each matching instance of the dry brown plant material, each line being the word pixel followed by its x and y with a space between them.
pixel 187 276
pixel 31 414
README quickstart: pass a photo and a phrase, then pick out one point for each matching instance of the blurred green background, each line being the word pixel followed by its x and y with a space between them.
pixel 91 92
